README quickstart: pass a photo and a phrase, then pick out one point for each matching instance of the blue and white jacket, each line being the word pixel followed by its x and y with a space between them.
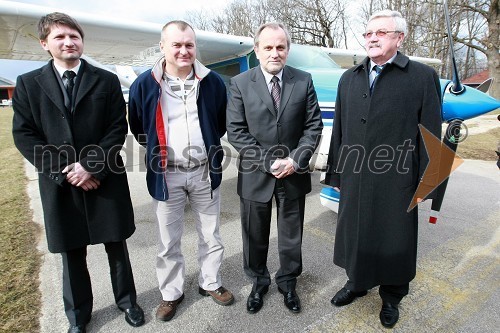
pixel 147 123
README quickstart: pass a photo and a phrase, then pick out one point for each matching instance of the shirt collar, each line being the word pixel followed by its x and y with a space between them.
pixel 269 76
pixel 388 62
pixel 61 70
pixel 190 76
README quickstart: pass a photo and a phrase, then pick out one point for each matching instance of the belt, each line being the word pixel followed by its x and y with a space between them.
pixel 186 167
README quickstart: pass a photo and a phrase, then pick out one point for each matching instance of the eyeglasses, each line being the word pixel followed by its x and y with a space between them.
pixel 379 33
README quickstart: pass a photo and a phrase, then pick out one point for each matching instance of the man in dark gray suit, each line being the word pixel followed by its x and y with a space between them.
pixel 69 122
pixel 274 122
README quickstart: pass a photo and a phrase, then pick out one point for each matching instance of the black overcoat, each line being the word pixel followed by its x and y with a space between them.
pixel 377 158
pixel 50 137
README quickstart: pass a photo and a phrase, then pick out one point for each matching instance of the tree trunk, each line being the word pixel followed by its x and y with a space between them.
pixel 492 48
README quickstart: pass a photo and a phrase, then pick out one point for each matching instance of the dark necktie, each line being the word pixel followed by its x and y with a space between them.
pixel 70 76
pixel 275 93
pixel 377 70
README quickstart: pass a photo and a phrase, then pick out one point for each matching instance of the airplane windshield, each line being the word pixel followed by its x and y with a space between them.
pixel 307 58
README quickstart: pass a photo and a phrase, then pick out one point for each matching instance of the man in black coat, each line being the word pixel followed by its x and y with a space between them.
pixel 274 122
pixel 377 159
pixel 70 123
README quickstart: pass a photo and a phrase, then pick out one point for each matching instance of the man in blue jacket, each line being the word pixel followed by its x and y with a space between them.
pixel 177 110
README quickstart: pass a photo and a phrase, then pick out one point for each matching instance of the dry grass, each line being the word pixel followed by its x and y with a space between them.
pixel 19 257
pixel 480 146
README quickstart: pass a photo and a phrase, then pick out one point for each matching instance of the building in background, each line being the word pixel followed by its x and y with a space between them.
pixel 6 91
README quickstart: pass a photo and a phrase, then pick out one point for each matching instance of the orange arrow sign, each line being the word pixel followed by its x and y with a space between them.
pixel 442 162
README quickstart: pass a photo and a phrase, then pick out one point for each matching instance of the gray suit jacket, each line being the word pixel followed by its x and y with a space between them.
pixel 261 136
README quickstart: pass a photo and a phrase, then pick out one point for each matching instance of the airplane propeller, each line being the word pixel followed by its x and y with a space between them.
pixel 457 88
pixel 453 136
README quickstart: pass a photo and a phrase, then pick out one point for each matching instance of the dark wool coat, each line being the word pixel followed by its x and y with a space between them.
pixel 372 161
pixel 50 138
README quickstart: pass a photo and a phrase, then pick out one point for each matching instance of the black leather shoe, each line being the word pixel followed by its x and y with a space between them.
pixel 345 296
pixel 291 299
pixel 255 301
pixel 389 314
pixel 134 316
pixel 77 329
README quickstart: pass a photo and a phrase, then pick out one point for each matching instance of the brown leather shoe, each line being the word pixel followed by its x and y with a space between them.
pixel 167 309
pixel 221 295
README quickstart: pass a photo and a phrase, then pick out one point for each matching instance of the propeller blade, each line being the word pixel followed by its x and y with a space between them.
pixel 457 87
pixel 485 86
pixel 451 139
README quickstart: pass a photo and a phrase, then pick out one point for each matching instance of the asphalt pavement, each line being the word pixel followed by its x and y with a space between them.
pixel 457 287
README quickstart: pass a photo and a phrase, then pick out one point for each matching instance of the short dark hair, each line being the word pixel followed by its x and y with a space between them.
pixel 182 25
pixel 46 22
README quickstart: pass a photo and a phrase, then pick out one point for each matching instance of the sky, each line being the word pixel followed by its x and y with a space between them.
pixel 156 11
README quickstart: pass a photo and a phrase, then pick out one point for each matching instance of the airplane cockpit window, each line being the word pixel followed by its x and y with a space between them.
pixel 307 58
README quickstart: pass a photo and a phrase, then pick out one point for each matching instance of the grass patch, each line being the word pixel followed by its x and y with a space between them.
pixel 20 296
pixel 480 146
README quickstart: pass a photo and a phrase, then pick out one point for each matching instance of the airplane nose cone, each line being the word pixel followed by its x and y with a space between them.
pixel 469 104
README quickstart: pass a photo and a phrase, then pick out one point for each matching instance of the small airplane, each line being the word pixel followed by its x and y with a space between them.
pixel 119 42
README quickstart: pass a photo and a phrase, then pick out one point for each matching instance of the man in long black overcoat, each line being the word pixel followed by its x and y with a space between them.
pixel 377 159
pixel 72 128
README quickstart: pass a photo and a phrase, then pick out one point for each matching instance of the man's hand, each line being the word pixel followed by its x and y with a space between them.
pixel 91 184
pixel 282 168
pixel 79 177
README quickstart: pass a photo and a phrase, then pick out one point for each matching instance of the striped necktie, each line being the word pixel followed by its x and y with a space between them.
pixel 377 70
pixel 276 93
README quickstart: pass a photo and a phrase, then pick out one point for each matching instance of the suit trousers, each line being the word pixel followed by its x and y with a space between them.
pixel 256 225
pixel 77 289
pixel 193 184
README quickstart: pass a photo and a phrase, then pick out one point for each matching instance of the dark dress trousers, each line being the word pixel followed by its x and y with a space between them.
pixel 51 136
pixel 261 135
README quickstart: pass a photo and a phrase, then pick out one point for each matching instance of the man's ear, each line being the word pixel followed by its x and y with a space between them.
pixel 401 38
pixel 44 45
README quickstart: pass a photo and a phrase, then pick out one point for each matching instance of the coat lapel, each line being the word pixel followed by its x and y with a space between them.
pixel 88 80
pixel 260 87
pixel 49 84
pixel 286 90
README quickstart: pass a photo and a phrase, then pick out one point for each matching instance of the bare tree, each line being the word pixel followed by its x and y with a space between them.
pixel 475 30
pixel 483 22
pixel 475 26
pixel 314 22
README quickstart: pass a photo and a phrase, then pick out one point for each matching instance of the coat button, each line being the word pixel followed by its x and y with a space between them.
pixel 363 120
pixel 365 95
pixel 57 178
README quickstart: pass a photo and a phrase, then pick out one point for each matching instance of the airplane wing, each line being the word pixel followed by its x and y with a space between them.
pixel 126 42
pixel 107 40
pixel 349 58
